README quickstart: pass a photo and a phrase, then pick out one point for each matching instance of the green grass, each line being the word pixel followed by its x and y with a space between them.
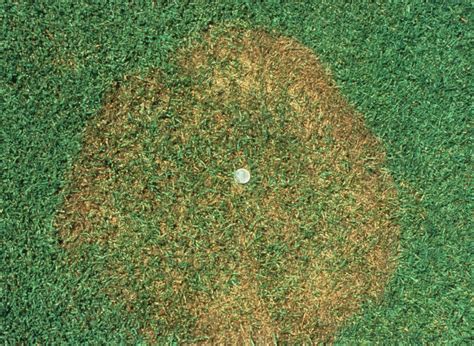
pixel 405 68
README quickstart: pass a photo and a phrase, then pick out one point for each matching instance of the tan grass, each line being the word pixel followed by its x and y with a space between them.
pixel 349 259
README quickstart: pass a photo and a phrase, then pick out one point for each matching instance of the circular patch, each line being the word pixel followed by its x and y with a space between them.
pixel 290 255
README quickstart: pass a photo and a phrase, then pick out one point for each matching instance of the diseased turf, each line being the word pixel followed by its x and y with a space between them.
pixel 406 68
pixel 289 256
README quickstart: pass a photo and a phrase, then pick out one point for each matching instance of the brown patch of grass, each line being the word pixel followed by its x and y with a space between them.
pixel 290 256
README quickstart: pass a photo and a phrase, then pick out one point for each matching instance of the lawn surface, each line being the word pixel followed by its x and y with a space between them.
pixel 404 67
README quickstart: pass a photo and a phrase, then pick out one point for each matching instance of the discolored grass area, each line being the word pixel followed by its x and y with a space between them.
pixel 289 256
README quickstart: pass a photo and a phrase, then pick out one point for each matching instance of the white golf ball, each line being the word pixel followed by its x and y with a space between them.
pixel 242 176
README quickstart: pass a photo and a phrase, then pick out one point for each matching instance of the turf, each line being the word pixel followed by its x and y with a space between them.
pixel 406 68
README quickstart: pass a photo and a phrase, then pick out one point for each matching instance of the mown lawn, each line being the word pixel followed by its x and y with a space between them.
pixel 404 67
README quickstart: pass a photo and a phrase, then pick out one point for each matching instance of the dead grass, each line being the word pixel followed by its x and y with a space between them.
pixel 290 256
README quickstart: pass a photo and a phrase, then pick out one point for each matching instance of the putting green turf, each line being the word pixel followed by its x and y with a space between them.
pixel 405 68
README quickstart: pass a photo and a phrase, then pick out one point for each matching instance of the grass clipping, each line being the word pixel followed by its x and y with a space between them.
pixel 287 257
